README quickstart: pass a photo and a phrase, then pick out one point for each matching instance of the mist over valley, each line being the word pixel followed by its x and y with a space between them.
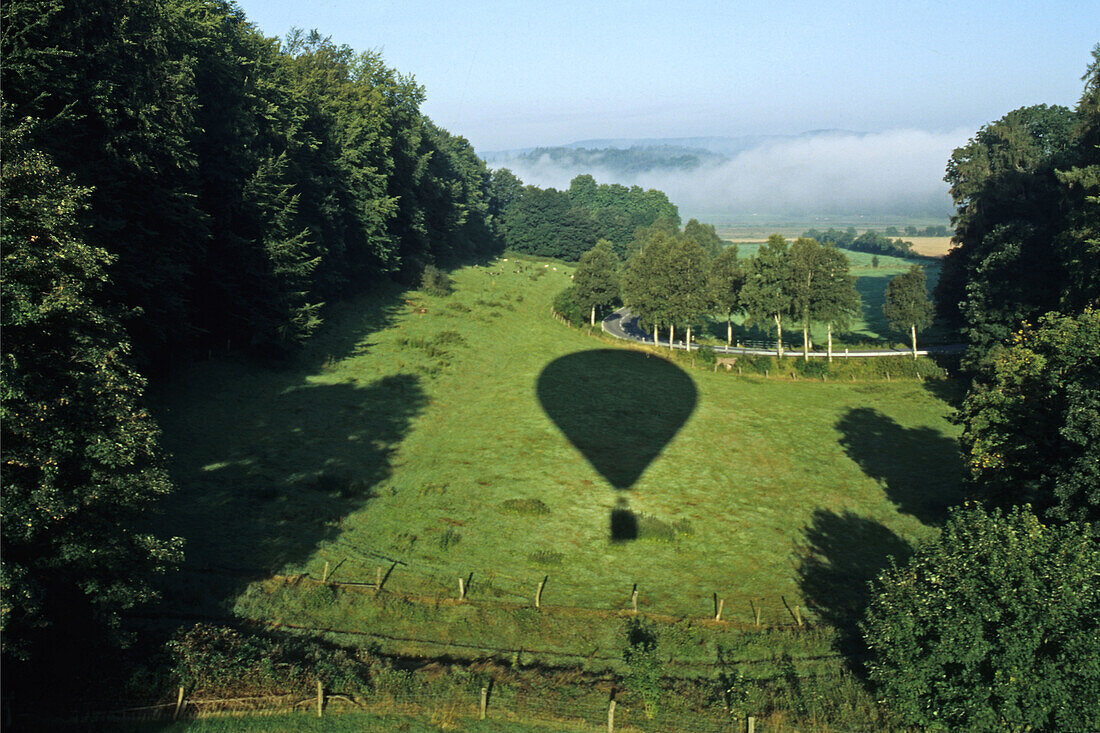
pixel 816 175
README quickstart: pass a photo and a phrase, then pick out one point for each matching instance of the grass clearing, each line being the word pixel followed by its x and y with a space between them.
pixel 411 437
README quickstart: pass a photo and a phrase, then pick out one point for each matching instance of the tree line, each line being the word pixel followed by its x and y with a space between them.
pixel 870 241
pixel 674 280
pixel 174 182
pixel 566 224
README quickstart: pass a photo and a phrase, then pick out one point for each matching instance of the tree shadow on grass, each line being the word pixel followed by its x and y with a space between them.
pixel 261 483
pixel 841 554
pixel 920 468
pixel 619 409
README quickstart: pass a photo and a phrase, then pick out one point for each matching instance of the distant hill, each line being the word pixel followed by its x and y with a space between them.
pixel 722 146
pixel 818 176
pixel 621 161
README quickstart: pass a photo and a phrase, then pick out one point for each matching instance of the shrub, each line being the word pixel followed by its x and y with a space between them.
pixel 658 530
pixel 643 666
pixel 436 282
pixel 566 306
pixel 993 626
pixel 706 355
pixel 546 557
pixel 527 507
pixel 222 661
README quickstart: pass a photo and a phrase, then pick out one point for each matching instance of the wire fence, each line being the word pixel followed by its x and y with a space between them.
pixel 491 589
pixel 444 709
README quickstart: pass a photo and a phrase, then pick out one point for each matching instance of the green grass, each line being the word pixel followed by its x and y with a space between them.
pixel 412 432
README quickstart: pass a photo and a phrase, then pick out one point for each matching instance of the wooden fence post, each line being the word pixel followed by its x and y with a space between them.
pixel 611 717
pixel 755 612
pixel 461 589
pixel 752 724
pixel 324 575
pixel 320 697
pixel 718 612
pixel 538 593
pixel 484 701
pixel 634 598
pixel 378 579
pixel 793 611
pixel 179 705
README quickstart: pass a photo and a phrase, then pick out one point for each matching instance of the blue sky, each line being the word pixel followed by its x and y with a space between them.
pixel 518 74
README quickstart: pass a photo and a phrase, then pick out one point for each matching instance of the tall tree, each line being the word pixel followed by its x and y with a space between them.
pixel 81 461
pixel 1010 209
pixel 767 295
pixel 907 307
pixel 727 277
pixel 836 300
pixel 704 235
pixel 645 286
pixel 596 279
pixel 807 258
pixel 687 282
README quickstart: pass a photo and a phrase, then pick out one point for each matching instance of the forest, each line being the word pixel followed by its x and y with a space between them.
pixel 177 186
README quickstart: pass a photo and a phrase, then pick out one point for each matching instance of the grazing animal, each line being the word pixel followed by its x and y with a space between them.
pixel 726 361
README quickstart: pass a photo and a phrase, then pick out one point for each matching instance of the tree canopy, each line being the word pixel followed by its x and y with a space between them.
pixel 1032 420
pixel 994 625
pixel 907 307
pixel 768 292
pixel 81 457
pixel 596 279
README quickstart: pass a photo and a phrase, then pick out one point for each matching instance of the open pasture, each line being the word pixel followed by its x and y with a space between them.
pixel 439 437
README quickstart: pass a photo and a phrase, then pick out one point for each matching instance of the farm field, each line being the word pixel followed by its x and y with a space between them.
pixel 436 438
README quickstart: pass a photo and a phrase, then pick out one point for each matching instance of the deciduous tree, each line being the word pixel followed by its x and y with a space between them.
pixel 994 625
pixel 596 279
pixel 727 277
pixel 907 307
pixel 81 461
pixel 1032 420
pixel 836 300
pixel 767 291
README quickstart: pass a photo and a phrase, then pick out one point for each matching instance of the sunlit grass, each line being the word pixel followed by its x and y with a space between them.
pixel 412 431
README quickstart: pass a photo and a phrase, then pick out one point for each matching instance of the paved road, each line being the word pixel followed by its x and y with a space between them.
pixel 624 325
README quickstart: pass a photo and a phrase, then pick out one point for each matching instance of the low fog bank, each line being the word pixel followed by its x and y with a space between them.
pixel 899 172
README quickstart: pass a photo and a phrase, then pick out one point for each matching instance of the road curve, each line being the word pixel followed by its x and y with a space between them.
pixel 623 324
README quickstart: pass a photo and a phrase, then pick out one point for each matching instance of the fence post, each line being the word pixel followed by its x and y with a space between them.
pixel 179 704
pixel 752 724
pixel 634 598
pixel 378 579
pixel 718 612
pixel 324 575
pixel 611 717
pixel 320 698
pixel 461 589
pixel 484 701
pixel 538 593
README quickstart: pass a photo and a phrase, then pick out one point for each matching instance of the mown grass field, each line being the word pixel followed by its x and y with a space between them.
pixel 436 437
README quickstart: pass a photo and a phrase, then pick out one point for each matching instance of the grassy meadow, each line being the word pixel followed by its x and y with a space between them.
pixel 474 436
